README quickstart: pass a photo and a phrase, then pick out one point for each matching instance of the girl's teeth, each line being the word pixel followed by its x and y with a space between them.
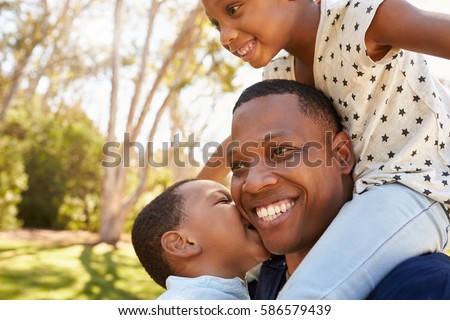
pixel 246 49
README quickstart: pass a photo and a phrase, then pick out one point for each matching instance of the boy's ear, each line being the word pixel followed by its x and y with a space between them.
pixel 343 148
pixel 178 243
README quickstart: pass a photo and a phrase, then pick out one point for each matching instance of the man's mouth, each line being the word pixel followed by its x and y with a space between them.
pixel 274 210
pixel 246 48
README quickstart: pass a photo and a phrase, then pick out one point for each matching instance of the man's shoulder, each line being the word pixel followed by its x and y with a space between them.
pixel 426 277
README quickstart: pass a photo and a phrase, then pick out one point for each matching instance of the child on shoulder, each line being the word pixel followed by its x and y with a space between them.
pixel 366 55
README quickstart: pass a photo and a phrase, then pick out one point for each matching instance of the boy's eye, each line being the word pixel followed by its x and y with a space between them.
pixel 225 200
pixel 231 10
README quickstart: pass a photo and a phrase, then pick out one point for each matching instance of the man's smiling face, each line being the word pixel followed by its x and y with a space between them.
pixel 286 177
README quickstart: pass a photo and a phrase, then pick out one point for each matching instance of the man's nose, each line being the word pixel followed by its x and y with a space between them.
pixel 258 177
pixel 227 35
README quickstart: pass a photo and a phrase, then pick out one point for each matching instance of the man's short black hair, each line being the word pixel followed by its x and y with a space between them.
pixel 311 102
pixel 163 214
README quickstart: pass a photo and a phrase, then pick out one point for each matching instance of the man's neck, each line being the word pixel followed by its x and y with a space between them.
pixel 293 260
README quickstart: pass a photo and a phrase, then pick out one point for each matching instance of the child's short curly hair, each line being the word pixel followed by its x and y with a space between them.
pixel 163 214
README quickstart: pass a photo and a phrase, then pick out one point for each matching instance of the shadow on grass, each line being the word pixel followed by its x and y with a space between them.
pixel 29 271
pixel 44 279
pixel 102 270
pixel 12 251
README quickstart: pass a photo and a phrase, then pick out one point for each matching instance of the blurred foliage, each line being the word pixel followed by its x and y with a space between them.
pixel 13 181
pixel 60 153
pixel 55 56
pixel 158 180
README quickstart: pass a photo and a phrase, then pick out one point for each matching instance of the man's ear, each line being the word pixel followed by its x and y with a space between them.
pixel 178 243
pixel 343 152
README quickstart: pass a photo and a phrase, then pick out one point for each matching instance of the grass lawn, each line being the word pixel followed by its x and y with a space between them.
pixel 33 269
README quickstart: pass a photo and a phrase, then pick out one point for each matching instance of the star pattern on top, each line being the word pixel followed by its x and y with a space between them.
pixel 384 106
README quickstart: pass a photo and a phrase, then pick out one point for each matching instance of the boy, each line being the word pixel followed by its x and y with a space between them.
pixel 192 240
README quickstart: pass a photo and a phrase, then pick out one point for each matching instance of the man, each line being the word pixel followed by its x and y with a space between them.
pixel 292 165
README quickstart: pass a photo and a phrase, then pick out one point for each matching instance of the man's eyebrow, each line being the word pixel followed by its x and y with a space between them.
pixel 277 135
pixel 269 136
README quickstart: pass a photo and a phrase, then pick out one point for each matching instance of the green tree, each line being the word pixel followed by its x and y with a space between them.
pixel 13 181
pixel 49 61
pixel 45 65
pixel 61 152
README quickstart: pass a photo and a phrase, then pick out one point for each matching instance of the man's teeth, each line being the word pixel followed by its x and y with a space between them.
pixel 273 211
pixel 244 50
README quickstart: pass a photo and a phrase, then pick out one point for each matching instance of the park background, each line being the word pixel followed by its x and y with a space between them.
pixel 75 75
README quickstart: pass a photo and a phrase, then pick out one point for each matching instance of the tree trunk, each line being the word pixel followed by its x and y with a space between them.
pixel 115 206
pixel 113 188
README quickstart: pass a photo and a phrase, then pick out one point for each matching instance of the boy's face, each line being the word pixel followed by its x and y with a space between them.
pixel 286 179
pixel 212 219
pixel 253 30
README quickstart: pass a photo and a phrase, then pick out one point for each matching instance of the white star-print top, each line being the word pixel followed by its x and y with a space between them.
pixel 396 113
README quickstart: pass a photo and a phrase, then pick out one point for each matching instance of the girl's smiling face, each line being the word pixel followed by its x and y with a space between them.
pixel 253 30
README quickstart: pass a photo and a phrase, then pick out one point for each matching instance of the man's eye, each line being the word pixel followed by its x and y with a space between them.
pixel 283 152
pixel 231 10
pixel 279 151
pixel 237 165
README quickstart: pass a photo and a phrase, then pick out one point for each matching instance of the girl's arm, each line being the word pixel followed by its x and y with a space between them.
pixel 217 167
pixel 399 24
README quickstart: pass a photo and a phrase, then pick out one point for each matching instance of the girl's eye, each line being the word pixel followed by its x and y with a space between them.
pixel 215 24
pixel 231 10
